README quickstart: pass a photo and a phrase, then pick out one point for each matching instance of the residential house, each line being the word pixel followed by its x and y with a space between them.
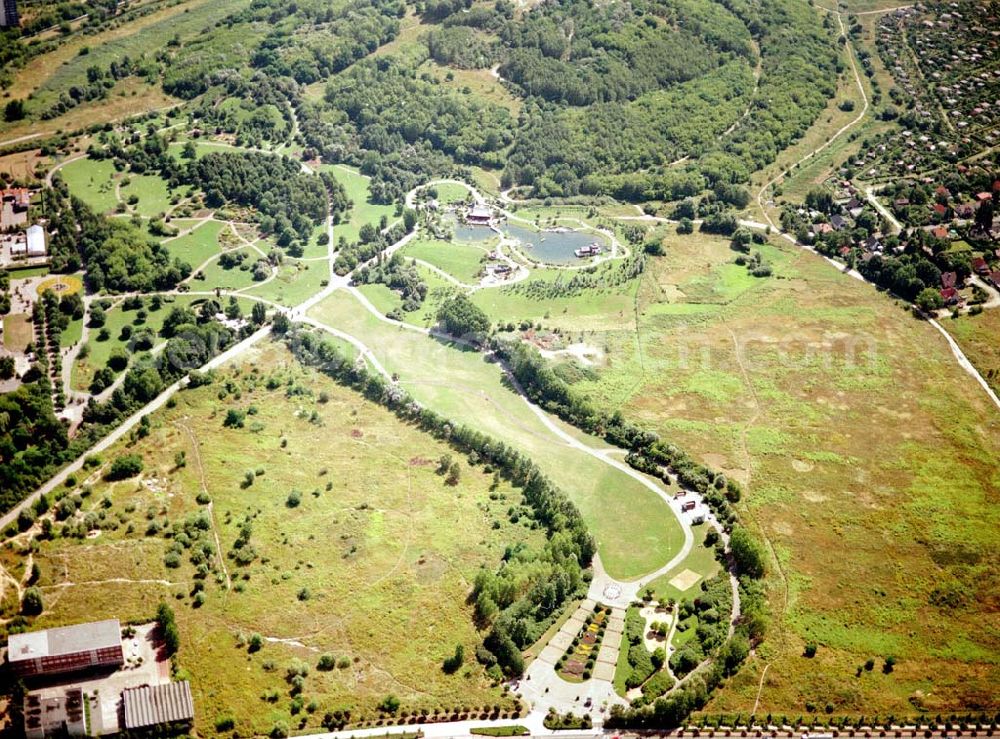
pixel 950 296
pixel 980 266
pixel 948 279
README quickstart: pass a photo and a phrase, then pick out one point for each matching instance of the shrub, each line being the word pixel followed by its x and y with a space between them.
pixel 224 723
pixel 125 466
pixel 31 603
pixel 326 663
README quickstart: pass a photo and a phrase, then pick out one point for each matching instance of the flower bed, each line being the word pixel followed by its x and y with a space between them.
pixel 578 662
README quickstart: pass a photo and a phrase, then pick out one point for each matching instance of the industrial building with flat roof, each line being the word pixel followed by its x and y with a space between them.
pixel 66 649
pixel 158 705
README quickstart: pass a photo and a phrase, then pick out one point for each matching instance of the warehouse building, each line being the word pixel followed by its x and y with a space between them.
pixel 66 649
pixel 158 705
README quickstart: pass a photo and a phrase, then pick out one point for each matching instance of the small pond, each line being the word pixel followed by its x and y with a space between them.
pixel 556 247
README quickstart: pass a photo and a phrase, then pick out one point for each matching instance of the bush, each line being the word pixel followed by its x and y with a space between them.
pixel 454 662
pixel 326 663
pixel 31 603
pixel 125 466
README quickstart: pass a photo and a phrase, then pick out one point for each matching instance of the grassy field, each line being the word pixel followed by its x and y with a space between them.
pixel 295 283
pixel 372 566
pixel 363 211
pixel 856 433
pixel 197 246
pixel 461 385
pixel 154 196
pixel 701 560
pixel 461 261
pixel 93 181
pixel 977 335
pixel 118 318
pixel 18 331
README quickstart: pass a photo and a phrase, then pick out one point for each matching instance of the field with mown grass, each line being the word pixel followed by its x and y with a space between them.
pixel 362 551
pixel 868 455
pixel 461 261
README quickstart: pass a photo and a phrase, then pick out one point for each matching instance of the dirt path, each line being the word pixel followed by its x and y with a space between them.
pixel 211 510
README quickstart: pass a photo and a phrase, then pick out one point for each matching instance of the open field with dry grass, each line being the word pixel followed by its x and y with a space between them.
pixel 372 564
pixel 869 456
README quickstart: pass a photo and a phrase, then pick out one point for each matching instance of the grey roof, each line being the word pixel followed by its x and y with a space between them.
pixel 64 640
pixel 160 704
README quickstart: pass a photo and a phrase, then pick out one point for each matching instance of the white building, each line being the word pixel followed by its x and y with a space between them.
pixel 36 241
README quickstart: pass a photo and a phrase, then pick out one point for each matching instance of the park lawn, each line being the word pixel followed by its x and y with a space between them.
pixel 701 560
pixel 295 283
pixel 92 181
pixel 855 433
pixel 461 385
pixel 388 300
pixel 461 261
pixel 977 336
pixel 116 318
pixel 234 278
pixel 363 211
pixel 199 245
pixel 18 331
pixel 72 334
pixel 452 192
pixel 152 191
pixel 379 550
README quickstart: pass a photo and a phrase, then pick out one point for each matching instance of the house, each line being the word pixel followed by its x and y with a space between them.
pixel 822 228
pixel 941 211
pixel 950 296
pixel 948 279
pixel 838 222
pixel 995 278
pixel 158 706
pixel 982 197
pixel 590 250
pixel 845 251
pixel 940 232
pixel 901 202
pixel 965 210
pixel 980 266
pixel 942 192
pixel 872 244
pixel 36 241
pixel 66 649
pixel 688 505
pixel 479 214
pixel 55 715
